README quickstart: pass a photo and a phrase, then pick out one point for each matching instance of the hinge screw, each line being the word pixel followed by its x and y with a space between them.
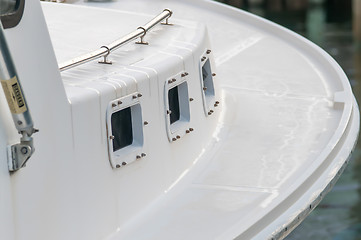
pixel 24 150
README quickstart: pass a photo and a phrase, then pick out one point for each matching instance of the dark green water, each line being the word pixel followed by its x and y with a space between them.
pixel 331 24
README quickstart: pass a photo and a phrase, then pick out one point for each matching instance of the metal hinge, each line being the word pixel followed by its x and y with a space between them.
pixel 19 154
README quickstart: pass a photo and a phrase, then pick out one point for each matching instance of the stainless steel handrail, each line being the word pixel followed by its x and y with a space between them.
pixel 104 51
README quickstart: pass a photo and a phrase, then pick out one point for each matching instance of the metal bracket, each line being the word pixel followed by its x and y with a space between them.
pixel 105 60
pixel 166 20
pixel 19 154
pixel 142 37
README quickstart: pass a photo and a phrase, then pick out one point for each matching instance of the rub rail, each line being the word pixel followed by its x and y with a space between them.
pixel 104 51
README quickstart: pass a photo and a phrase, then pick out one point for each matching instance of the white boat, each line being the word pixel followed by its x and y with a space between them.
pixel 223 126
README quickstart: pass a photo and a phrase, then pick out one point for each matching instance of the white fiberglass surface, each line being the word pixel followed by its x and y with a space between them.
pixel 204 212
pixel 278 117
pixel 271 139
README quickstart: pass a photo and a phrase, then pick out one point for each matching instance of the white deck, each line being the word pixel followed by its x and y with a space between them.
pixel 287 125
pixel 279 123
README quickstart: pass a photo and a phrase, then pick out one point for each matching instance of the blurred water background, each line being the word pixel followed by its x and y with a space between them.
pixel 334 25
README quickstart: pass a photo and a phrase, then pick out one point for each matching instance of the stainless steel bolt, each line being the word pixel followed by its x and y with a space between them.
pixel 24 150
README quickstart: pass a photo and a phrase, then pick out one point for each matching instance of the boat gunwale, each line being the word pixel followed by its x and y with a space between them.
pixel 320 57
